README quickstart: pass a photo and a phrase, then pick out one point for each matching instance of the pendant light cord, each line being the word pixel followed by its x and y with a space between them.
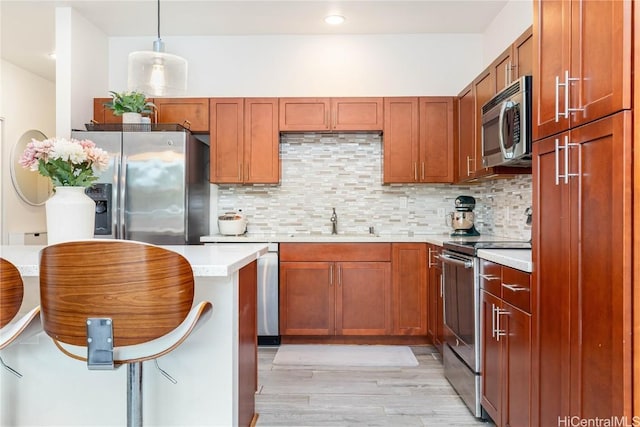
pixel 158 19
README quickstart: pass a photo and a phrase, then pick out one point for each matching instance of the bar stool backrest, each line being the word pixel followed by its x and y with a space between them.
pixel 11 291
pixel 146 290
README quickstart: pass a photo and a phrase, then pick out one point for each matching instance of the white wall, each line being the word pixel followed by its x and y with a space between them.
pixel 513 20
pixel 295 65
pixel 28 102
pixel 81 69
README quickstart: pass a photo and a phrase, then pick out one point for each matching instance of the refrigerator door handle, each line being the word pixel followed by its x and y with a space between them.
pixel 122 185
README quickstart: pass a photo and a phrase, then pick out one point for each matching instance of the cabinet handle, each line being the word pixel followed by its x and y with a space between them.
pixel 493 321
pixel 567 145
pixel 469 159
pixel 506 74
pixel 239 171
pixel 327 125
pixel 500 332
pixel 431 264
pixel 422 163
pixel 331 275
pixel 339 275
pixel 441 285
pixel 489 277
pixel 415 171
pixel 567 86
pixel 557 154
pixel 557 93
pixel 514 287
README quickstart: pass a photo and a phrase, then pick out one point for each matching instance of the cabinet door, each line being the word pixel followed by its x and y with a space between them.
pixel 304 114
pixel 492 372
pixel 484 86
pixel 363 295
pixel 226 140
pixel 357 114
pixel 516 401
pixel 102 114
pixel 600 301
pixel 261 141
pixel 522 55
pixel 552 38
pixel 600 59
pixel 436 129
pixel 501 70
pixel 466 134
pixel 409 282
pixel 401 140
pixel 551 304
pixel 192 113
pixel 307 298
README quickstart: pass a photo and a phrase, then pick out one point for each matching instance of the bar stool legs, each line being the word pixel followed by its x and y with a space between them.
pixel 134 394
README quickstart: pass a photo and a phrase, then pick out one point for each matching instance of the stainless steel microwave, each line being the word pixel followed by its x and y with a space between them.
pixel 506 126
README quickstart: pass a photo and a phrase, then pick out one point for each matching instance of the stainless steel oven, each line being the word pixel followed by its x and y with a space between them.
pixel 462 349
pixel 461 352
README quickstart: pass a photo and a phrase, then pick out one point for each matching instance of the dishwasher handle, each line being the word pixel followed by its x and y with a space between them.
pixel 464 262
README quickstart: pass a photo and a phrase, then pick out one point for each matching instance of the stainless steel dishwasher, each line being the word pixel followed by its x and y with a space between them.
pixel 268 297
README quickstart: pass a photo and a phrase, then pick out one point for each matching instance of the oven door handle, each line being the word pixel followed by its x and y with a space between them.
pixel 457 261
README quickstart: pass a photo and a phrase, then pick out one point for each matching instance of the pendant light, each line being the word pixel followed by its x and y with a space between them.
pixel 156 73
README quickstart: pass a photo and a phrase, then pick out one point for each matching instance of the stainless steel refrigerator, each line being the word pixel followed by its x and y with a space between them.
pixel 156 188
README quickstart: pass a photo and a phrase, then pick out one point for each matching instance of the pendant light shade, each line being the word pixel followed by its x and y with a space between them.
pixel 157 73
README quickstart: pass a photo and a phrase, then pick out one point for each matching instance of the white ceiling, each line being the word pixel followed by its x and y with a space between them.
pixel 28 29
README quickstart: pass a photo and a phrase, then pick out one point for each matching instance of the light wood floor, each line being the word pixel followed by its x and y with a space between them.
pixel 349 396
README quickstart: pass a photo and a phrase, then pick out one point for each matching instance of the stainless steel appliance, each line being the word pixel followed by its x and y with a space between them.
pixel 159 184
pixel 268 294
pixel 462 220
pixel 461 306
pixel 506 126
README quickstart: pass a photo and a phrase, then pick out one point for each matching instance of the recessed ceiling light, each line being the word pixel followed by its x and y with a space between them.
pixel 52 55
pixel 334 19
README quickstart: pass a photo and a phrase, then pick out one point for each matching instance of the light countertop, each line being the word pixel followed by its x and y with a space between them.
pixel 520 259
pixel 205 260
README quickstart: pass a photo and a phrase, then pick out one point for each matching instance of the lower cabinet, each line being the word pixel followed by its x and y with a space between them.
pixel 348 289
pixel 506 345
pixel 435 323
pixel 409 282
pixel 335 289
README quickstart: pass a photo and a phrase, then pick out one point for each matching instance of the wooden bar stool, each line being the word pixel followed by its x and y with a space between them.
pixel 11 293
pixel 115 302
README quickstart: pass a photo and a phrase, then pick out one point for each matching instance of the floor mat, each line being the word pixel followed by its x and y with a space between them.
pixel 345 355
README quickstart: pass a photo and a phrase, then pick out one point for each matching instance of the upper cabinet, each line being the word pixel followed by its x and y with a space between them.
pixel 192 113
pixel 582 69
pixel 244 140
pixel 516 61
pixel 330 114
pixel 419 139
pixel 102 114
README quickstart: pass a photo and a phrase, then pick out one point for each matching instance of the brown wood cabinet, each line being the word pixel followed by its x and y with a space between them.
pixel 192 113
pixel 409 282
pixel 516 61
pixel 419 139
pixel 326 290
pixel 466 134
pixel 435 323
pixel 506 344
pixel 244 140
pixel 582 253
pixel 331 114
pixel 582 69
pixel 102 114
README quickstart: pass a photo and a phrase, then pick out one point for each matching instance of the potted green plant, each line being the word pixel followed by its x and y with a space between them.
pixel 130 105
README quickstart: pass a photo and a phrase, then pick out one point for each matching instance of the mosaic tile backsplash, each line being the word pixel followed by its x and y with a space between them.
pixel 344 171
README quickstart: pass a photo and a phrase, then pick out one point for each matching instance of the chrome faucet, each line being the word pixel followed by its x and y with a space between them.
pixel 334 222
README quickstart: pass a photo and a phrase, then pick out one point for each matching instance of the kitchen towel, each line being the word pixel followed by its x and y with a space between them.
pixel 345 355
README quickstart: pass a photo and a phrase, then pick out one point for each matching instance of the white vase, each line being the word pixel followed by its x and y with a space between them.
pixel 131 117
pixel 71 215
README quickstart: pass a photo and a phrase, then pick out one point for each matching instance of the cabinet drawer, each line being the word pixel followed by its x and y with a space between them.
pixel 516 288
pixel 490 274
pixel 335 252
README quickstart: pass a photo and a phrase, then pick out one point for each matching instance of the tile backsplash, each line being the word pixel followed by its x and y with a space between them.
pixel 344 171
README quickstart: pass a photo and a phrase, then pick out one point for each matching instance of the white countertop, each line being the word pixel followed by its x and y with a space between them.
pixel 205 260
pixel 520 259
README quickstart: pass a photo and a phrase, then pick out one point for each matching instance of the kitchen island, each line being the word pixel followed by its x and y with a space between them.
pixel 215 367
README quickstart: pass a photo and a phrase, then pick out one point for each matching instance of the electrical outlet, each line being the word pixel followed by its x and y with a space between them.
pixel 441 213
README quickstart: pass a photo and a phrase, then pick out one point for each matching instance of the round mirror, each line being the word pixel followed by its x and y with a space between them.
pixel 32 187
